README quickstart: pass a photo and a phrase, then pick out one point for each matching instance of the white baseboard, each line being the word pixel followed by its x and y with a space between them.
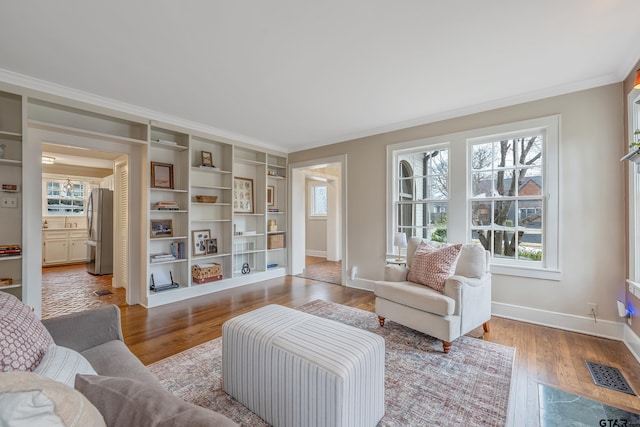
pixel 319 254
pixel 359 283
pixel 568 322
pixel 632 341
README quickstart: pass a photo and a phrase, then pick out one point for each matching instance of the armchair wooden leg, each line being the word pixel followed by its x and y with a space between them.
pixel 381 320
pixel 446 346
pixel 486 327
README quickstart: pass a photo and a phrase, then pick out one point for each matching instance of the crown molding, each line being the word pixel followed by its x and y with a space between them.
pixel 42 86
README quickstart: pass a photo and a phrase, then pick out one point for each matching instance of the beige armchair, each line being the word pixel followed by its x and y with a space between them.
pixel 464 305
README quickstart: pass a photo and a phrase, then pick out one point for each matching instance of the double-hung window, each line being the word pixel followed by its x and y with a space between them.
pixel 65 197
pixel 423 193
pixel 497 186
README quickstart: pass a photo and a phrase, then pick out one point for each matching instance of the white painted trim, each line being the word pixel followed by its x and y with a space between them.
pixel 319 254
pixel 632 341
pixel 568 322
pixel 50 88
pixel 360 283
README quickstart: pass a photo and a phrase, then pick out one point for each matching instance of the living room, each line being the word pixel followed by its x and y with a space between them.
pixel 582 81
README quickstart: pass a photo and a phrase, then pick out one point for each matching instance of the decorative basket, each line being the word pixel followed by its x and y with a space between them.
pixel 206 273
pixel 275 241
pixel 206 199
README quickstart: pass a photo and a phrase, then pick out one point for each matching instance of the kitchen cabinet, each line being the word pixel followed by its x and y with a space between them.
pixel 64 247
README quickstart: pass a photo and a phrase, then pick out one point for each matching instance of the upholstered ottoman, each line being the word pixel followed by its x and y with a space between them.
pixel 295 369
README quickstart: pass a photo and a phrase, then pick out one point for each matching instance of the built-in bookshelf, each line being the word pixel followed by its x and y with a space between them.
pixel 11 234
pixel 218 206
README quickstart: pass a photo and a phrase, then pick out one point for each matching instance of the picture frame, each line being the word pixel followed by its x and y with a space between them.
pixel 243 197
pixel 206 158
pixel 212 246
pixel 271 195
pixel 199 239
pixel 162 175
pixel 159 228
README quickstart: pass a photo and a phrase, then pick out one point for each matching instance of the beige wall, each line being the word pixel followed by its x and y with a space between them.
pixel 592 196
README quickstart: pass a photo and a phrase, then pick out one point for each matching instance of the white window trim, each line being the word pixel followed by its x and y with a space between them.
pixel 459 188
pixel 634 193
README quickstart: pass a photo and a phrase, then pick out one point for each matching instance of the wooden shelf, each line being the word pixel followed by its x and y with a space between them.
pixel 15 136
pixel 10 162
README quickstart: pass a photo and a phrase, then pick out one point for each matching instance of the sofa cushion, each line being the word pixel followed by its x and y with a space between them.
pixel 114 359
pixel 23 338
pixel 417 296
pixel 472 261
pixel 126 402
pixel 62 364
pixel 432 267
pixel 28 399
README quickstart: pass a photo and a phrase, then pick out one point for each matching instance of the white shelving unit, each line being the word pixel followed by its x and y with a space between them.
pixel 11 173
pixel 241 238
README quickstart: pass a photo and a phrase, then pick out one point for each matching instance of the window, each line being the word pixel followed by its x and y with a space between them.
pixel 497 186
pixel 506 196
pixel 423 194
pixel 65 197
pixel 318 200
pixel 634 191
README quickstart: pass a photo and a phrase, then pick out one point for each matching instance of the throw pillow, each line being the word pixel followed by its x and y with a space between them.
pixel 62 364
pixel 23 338
pixel 433 268
pixel 126 402
pixel 28 399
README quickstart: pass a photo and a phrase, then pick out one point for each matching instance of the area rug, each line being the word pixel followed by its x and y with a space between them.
pixel 423 386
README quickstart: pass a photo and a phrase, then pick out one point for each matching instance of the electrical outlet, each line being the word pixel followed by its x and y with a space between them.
pixel 9 202
pixel 593 308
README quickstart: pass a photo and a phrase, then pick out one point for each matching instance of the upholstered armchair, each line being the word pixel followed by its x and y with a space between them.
pixel 457 304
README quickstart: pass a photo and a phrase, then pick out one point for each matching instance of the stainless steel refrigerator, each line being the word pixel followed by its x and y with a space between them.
pixel 100 227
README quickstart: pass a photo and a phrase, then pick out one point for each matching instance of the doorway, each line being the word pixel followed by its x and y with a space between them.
pixel 70 174
pixel 318 220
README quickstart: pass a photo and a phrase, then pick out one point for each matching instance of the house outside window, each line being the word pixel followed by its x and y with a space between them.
pixel 497 186
pixel 506 178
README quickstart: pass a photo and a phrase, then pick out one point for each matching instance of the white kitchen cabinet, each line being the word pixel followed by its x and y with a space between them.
pixel 55 251
pixel 64 247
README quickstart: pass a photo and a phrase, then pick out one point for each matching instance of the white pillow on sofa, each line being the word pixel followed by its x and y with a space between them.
pixel 62 364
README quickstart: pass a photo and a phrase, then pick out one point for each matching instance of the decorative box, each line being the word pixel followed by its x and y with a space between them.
pixel 204 273
pixel 275 241
pixel 272 225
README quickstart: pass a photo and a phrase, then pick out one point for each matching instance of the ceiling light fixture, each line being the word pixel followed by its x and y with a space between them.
pixel 636 84
pixel 48 160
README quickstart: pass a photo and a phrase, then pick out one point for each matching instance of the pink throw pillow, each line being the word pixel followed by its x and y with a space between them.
pixel 23 338
pixel 432 268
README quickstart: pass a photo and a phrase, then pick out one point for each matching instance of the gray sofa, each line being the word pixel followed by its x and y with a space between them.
pixel 79 371
pixel 97 335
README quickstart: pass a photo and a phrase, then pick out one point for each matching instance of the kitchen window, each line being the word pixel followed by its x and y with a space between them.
pixel 65 197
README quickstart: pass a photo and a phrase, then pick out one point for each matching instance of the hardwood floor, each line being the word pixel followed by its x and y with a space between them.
pixel 543 355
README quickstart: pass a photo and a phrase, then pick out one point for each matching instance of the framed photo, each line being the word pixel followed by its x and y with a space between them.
pixel 243 195
pixel 161 228
pixel 200 238
pixel 271 195
pixel 212 246
pixel 207 158
pixel 161 175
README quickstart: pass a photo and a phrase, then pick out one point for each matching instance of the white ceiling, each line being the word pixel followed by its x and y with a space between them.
pixel 301 73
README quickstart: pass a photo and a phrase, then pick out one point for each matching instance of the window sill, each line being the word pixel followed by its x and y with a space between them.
pixel 317 217
pixel 532 273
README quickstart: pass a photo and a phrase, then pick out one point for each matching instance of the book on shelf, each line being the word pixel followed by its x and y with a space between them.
pixel 208 166
pixel 162 257
pixel 10 250
pixel 274 210
pixel 10 188
pixel 178 250
pixel 167 206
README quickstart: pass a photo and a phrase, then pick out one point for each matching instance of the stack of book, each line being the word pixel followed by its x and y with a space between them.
pixel 167 206
pixel 163 257
pixel 274 210
pixel 10 250
pixel 177 250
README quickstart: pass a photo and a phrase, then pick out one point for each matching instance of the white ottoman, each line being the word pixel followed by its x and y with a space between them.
pixel 295 369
